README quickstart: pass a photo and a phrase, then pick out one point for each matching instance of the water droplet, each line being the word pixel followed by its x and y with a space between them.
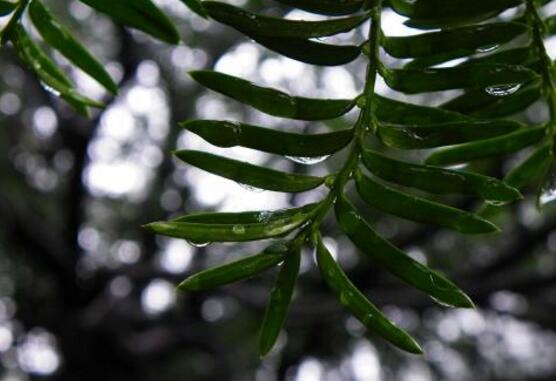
pixel 496 203
pixel 503 90
pixel 367 319
pixel 238 229
pixel 198 244
pixel 308 160
pixel 235 126
pixel 264 216
pixel 548 190
pixel 251 188
pixel 345 297
pixel 488 48
pixel 50 89
pixel 442 303
pixel 329 181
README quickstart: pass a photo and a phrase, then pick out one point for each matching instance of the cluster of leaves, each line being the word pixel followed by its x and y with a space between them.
pixel 502 67
pixel 142 15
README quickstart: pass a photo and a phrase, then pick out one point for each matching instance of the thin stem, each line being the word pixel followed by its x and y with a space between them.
pixel 364 121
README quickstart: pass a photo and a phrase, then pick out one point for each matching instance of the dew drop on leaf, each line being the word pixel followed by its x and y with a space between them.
pixel 264 216
pixel 345 297
pixel 487 48
pixel 308 160
pixel 496 203
pixel 503 90
pixel 198 244
pixel 50 89
pixel 251 188
pixel 548 190
pixel 442 303
pixel 238 229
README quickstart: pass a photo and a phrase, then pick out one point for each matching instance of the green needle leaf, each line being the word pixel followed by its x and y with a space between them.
pixel 239 270
pixel 493 79
pixel 139 14
pixel 479 104
pixel 428 14
pixel 354 300
pixel 57 36
pixel 50 75
pixel 231 134
pixel 529 171
pixel 418 209
pixel 391 111
pixel 249 174
pixel 438 135
pixel 271 101
pixel 265 31
pixel 229 231
pixel 197 7
pixel 439 180
pixel 264 26
pixel 464 41
pixel 7 7
pixel 498 146
pixel 280 299
pixel 395 260
pixel 255 217
pixel 326 7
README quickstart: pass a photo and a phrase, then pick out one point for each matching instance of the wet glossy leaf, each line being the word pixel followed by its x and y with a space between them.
pixel 464 40
pixel 310 52
pixel 229 231
pixel 6 7
pixel 498 146
pixel 235 271
pixel 261 28
pixel 231 134
pixel 50 75
pixel 395 112
pixel 9 30
pixel 516 56
pixel 438 135
pixel 396 261
pixel 249 174
pixel 459 77
pixel 139 14
pixel 264 26
pixel 197 7
pixel 58 37
pixel 254 217
pixel 280 299
pixel 271 101
pixel 326 7
pixel 441 13
pixel 438 180
pixel 480 104
pixel 434 60
pixel 358 304
pixel 532 168
pixel 419 209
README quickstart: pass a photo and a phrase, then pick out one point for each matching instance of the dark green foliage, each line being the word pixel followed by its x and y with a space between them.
pixel 504 68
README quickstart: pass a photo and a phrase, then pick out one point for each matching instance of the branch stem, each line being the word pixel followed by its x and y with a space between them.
pixel 365 121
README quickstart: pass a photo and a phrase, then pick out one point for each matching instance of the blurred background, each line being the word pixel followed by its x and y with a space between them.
pixel 86 294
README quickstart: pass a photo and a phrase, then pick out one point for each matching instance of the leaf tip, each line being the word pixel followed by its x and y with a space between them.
pixel 189 284
pixel 413 347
